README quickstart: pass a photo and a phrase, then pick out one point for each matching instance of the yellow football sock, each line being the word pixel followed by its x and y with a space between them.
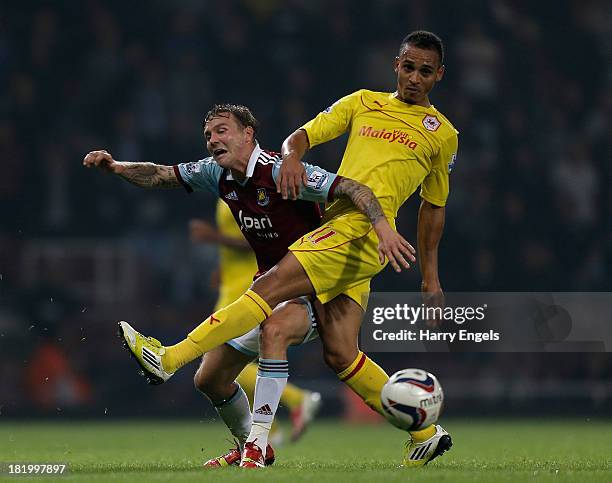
pixel 232 321
pixel 366 378
pixel 177 355
pixel 423 434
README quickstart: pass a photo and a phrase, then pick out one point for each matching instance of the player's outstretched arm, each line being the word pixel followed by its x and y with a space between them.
pixel 145 175
pixel 391 244
pixel 292 173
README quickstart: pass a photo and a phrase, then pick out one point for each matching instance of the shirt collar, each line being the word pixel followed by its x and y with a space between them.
pixel 393 99
pixel 251 164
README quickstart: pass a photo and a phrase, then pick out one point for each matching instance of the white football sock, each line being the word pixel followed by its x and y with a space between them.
pixel 236 414
pixel 271 381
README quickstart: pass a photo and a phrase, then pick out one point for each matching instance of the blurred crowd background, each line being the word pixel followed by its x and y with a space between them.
pixel 527 84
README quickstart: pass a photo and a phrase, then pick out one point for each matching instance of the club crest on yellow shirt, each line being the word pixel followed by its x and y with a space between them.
pixel 262 197
pixel 431 123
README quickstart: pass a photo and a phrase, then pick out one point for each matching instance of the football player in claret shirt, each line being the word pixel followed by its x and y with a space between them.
pixel 398 141
pixel 243 175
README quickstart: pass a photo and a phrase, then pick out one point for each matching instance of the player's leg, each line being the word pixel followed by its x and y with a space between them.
pixel 285 281
pixel 303 404
pixel 216 377
pixel 248 378
pixel 289 324
pixel 345 254
pixel 339 331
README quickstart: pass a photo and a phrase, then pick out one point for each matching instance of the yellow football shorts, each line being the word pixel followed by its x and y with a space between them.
pixel 340 257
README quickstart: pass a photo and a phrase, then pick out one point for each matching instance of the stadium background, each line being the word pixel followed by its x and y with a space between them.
pixel 528 86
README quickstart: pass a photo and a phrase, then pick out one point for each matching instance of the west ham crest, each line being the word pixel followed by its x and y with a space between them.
pixel 262 197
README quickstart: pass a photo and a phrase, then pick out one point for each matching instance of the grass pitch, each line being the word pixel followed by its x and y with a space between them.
pixel 484 451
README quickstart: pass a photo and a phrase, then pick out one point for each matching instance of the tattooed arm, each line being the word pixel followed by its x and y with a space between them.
pixel 390 243
pixel 145 175
pixel 362 197
pixel 148 175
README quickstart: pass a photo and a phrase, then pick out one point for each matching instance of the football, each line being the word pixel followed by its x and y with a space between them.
pixel 412 399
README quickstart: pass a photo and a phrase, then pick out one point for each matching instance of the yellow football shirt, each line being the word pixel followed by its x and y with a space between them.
pixel 237 267
pixel 393 148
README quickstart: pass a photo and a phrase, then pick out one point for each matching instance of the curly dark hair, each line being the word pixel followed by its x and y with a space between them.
pixel 242 113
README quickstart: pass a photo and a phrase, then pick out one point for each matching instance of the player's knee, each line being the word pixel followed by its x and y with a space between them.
pixel 207 385
pixel 273 335
pixel 337 360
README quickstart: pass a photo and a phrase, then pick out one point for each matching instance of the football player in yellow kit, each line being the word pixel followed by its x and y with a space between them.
pixel 397 142
pixel 237 264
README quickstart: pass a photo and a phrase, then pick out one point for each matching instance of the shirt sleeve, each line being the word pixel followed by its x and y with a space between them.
pixel 202 175
pixel 333 121
pixel 435 186
pixel 320 186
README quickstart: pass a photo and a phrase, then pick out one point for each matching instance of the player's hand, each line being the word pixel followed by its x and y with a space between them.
pixel 201 231
pixel 433 296
pixel 101 159
pixel 291 177
pixel 393 246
